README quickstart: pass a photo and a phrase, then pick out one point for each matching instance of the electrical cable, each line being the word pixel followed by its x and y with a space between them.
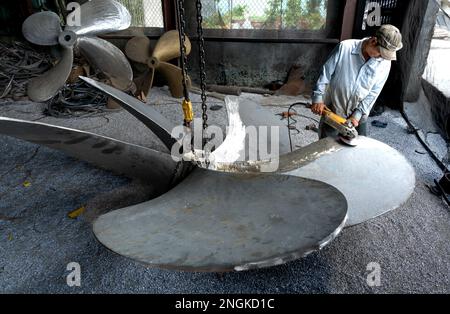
pixel 77 99
pixel 18 63
pixel 291 107
pixel 430 153
pixel 424 144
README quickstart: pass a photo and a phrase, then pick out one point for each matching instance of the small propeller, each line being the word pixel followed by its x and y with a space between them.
pixel 97 17
pixel 166 49
pixel 46 86
pixel 42 28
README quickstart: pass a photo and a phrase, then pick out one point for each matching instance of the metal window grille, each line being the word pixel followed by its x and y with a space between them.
pixel 265 14
pixel 145 13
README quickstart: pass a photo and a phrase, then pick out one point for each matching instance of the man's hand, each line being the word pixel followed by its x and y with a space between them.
pixel 354 122
pixel 318 108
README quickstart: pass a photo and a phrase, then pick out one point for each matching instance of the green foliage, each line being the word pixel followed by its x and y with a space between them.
pixel 279 14
pixel 274 14
pixel 225 19
pixel 293 14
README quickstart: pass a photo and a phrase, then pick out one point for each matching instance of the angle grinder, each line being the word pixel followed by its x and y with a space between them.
pixel 347 131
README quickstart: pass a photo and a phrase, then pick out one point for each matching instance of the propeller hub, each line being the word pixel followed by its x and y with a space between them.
pixel 67 38
pixel 153 63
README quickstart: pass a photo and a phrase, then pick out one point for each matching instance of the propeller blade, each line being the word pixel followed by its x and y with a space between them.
pixel 46 86
pixel 143 112
pixel 326 160
pixel 138 49
pixel 374 177
pixel 236 225
pixel 42 28
pixel 100 17
pixel 269 138
pixel 174 77
pixel 168 46
pixel 254 115
pixel 144 83
pixel 122 158
pixel 109 59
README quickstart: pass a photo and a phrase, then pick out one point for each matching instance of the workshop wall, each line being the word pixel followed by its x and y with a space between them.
pixel 257 64
pixel 418 29
pixel 440 108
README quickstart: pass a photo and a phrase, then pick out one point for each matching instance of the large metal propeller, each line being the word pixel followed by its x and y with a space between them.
pixel 97 17
pixel 355 171
pixel 227 220
pixel 166 49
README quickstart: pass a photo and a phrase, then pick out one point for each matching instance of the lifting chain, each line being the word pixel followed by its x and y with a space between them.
pixel 187 105
pixel 202 65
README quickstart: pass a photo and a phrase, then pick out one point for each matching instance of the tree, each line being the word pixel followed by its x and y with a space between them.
pixel 274 14
pixel 314 6
pixel 293 14
pixel 224 20
pixel 313 17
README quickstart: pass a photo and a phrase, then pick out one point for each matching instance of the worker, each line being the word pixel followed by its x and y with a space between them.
pixel 353 77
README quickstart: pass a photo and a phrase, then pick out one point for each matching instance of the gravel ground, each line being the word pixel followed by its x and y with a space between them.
pixel 38 187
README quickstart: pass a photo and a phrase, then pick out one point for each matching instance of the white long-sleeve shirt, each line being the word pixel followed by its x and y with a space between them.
pixel 353 84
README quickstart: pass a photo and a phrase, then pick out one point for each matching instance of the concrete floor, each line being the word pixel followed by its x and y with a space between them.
pixel 38 240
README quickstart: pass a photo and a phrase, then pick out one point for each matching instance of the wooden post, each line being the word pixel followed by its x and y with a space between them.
pixel 169 15
pixel 348 19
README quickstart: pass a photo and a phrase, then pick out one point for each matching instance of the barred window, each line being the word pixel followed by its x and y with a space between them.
pixel 145 13
pixel 265 14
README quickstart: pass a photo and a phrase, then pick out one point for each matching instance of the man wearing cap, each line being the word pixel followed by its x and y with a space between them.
pixel 353 77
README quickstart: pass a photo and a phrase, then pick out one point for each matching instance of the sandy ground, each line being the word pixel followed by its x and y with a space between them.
pixel 38 240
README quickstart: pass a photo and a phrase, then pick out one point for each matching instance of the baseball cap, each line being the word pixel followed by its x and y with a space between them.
pixel 390 41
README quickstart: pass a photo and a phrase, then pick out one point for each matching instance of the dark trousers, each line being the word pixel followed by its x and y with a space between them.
pixel 327 131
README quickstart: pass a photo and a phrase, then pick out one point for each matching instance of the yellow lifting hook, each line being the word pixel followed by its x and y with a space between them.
pixel 188 112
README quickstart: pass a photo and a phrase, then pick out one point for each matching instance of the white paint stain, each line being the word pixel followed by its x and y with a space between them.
pixel 234 144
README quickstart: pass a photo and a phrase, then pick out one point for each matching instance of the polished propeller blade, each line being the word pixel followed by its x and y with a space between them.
pixel 255 116
pixel 146 114
pixel 100 17
pixel 122 158
pixel 174 77
pixel 218 222
pixel 168 46
pixel 374 177
pixel 42 28
pixel 138 49
pixel 46 86
pixel 109 59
